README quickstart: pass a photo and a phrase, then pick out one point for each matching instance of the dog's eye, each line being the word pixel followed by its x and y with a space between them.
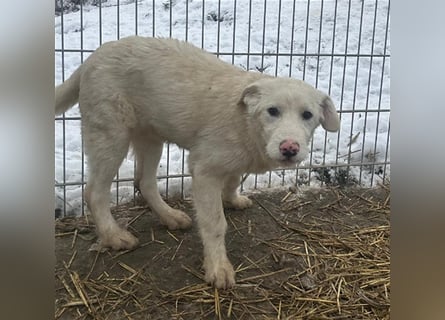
pixel 273 111
pixel 307 115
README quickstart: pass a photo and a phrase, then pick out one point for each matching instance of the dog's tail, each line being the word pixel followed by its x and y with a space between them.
pixel 67 93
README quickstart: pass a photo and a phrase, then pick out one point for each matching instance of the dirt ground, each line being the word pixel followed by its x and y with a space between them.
pixel 318 254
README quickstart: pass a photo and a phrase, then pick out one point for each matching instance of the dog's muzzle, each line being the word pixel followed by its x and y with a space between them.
pixel 289 148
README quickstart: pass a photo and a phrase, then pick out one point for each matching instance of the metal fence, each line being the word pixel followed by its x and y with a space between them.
pixel 340 47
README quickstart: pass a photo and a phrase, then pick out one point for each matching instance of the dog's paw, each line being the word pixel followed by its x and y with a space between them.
pixel 175 219
pixel 119 239
pixel 240 203
pixel 220 275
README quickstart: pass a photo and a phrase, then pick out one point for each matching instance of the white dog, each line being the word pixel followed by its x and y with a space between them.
pixel 145 91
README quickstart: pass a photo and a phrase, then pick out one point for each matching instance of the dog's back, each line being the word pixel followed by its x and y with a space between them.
pixel 162 85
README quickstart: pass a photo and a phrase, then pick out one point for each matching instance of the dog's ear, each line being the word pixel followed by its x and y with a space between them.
pixel 330 120
pixel 250 96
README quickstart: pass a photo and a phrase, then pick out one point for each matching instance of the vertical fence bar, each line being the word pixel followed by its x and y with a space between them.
pixel 154 18
pixel 264 35
pixel 203 24
pixel 331 72
pixel 355 86
pixel 283 172
pixel 386 153
pixel 291 61
pixel 233 52
pixel 170 33
pixel 278 38
pixel 81 138
pixel 100 22
pixel 218 25
pixel 248 35
pixel 234 32
pixel 136 18
pixel 167 171
pixel 186 20
pixel 292 40
pixel 183 173
pixel 343 79
pixel 118 19
pixel 380 96
pixel 367 95
pixel 262 64
pixel 62 39
pixel 170 18
pixel 183 151
pixel 320 29
pixel 263 68
pixel 333 47
pixel 306 38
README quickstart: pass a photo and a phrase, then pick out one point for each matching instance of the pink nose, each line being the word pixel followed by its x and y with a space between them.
pixel 289 148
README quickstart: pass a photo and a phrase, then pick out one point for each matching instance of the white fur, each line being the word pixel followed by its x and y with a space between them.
pixel 145 91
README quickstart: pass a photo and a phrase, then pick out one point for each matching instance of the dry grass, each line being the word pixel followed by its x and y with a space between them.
pixel 325 257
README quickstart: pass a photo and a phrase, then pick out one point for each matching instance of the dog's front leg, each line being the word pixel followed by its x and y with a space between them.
pixel 212 228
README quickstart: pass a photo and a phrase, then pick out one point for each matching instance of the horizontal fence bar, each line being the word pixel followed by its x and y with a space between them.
pixel 271 54
pixel 339 111
pixel 178 176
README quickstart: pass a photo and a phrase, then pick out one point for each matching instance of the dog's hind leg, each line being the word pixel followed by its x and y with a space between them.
pixel 138 171
pixel 230 196
pixel 148 154
pixel 105 148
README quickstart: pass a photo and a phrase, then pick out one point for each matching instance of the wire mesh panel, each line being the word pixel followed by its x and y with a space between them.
pixel 340 47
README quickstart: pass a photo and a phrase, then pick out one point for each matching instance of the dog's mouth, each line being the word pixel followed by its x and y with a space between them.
pixel 285 162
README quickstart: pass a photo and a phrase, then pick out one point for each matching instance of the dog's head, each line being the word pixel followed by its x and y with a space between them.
pixel 285 113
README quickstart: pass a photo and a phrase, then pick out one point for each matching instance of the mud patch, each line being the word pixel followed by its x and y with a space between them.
pixel 321 254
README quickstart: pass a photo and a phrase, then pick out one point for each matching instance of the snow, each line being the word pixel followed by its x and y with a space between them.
pixel 356 76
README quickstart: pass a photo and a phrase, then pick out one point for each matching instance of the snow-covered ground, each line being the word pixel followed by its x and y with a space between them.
pixel 345 43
